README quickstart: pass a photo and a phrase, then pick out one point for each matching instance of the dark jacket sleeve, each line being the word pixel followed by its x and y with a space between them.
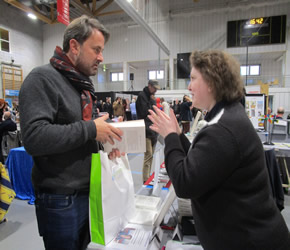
pixel 7 125
pixel 184 142
pixel 45 129
pixel 196 172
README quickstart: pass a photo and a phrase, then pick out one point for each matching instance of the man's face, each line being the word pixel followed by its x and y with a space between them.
pixel 91 54
pixel 152 89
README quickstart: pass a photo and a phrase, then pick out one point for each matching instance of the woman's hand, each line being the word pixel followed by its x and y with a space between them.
pixel 162 123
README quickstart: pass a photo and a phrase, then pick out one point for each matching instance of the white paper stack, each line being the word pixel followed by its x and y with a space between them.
pixel 147 202
pixel 184 207
pixel 133 139
pixel 146 209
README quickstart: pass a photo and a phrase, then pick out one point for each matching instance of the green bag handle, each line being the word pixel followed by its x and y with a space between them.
pixel 96 209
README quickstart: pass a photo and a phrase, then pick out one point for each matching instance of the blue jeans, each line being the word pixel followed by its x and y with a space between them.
pixel 63 220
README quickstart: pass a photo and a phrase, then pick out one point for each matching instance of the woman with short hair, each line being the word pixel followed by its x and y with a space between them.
pixel 223 171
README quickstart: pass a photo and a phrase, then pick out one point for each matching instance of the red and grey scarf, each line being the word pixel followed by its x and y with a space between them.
pixel 79 81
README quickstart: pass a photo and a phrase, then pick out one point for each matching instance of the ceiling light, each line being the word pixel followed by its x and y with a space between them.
pixel 130 1
pixel 32 16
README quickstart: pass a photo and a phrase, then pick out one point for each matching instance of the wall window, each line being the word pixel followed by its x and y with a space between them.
pixel 250 70
pixel 117 76
pixel 4 40
pixel 156 74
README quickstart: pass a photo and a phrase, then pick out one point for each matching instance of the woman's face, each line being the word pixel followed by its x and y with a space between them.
pixel 202 94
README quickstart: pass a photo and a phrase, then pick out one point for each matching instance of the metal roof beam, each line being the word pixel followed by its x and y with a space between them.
pixel 105 5
pixel 78 5
pixel 129 9
pixel 28 10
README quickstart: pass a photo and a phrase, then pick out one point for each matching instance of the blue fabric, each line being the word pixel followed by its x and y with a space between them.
pixel 19 165
pixel 63 220
pixel 133 108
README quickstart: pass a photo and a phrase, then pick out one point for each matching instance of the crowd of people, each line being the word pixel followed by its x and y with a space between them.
pixel 184 110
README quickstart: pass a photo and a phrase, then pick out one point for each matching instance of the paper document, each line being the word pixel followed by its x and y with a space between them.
pixel 132 237
pixel 133 139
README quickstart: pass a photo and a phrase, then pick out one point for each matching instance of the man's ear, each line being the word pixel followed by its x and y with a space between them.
pixel 74 46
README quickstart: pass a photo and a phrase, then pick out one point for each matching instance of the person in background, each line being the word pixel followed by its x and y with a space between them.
pixel 3 108
pixel 99 104
pixel 96 110
pixel 165 105
pixel 56 102
pixel 118 108
pixel 7 125
pixel 124 104
pixel 280 113
pixel 144 103
pixel 108 107
pixel 223 171
pixel 185 114
pixel 133 109
pixel 176 109
pixel 158 103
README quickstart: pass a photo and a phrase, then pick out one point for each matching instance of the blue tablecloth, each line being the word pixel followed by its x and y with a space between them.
pixel 19 165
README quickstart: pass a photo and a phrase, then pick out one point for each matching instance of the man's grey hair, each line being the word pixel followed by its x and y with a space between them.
pixel 280 110
pixel 80 29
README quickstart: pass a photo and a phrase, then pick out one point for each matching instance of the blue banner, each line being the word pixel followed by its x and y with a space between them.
pixel 11 92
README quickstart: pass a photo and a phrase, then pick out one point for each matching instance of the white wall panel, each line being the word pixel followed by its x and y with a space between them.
pixel 130 44
pixel 281 98
pixel 52 37
pixel 25 39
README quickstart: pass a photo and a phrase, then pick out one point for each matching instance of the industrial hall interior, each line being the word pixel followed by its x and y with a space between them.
pixel 144 124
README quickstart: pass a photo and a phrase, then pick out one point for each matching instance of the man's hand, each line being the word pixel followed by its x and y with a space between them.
pixel 106 132
pixel 115 153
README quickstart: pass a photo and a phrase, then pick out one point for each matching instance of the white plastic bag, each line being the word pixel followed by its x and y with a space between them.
pixel 111 197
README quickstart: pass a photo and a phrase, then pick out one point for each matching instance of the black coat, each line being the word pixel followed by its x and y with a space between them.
pixel 143 104
pixel 7 125
pixel 224 174
pixel 108 107
pixel 185 113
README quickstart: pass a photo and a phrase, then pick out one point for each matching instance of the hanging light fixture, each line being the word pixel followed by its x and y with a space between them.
pixel 32 16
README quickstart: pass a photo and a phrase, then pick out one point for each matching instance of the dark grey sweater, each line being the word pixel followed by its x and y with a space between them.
pixel 53 131
pixel 225 176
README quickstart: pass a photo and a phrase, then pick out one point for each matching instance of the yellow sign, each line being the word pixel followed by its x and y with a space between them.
pixel 257 21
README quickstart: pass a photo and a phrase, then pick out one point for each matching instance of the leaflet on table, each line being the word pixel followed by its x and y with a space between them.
pixel 133 139
pixel 132 237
